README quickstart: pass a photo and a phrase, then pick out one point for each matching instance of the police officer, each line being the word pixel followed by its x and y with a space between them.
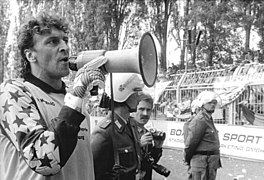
pixel 202 142
pixel 115 145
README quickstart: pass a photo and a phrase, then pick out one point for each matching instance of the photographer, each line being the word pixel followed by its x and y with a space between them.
pixel 151 141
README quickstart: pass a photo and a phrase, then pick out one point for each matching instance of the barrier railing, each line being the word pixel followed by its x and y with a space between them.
pixel 175 102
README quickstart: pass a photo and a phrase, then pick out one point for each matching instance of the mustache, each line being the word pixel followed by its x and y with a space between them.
pixel 144 117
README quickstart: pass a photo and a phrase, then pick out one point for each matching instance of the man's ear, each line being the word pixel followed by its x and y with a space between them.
pixel 30 55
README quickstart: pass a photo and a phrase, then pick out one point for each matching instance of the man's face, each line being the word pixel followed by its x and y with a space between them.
pixel 51 52
pixel 133 101
pixel 143 112
pixel 210 106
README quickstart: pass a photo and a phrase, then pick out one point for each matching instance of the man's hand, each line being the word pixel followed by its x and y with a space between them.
pixel 159 137
pixel 87 77
pixel 146 139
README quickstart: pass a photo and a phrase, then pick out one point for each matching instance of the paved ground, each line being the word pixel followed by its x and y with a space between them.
pixel 233 169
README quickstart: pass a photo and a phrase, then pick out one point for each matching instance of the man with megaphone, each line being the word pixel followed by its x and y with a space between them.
pixel 44 132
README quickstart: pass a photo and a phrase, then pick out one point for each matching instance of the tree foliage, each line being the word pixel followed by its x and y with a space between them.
pixel 221 23
pixel 3 35
pixel 159 17
pixel 119 24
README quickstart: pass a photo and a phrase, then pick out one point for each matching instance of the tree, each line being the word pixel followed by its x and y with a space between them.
pixel 185 35
pixel 175 31
pixel 259 22
pixel 3 35
pixel 110 16
pixel 159 15
pixel 134 25
pixel 218 21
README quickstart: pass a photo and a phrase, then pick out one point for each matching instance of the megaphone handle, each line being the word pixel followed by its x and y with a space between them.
pixel 94 91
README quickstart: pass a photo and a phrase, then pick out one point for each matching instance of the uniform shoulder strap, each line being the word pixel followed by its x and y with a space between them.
pixel 105 123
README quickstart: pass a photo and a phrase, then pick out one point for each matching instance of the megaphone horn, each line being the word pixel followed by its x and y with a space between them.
pixel 142 60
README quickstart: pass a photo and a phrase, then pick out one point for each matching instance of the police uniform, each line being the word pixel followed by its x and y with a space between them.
pixel 127 148
pixel 202 147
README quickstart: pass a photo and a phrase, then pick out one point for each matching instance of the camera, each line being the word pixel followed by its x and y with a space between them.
pixel 161 170
pixel 157 167
pixel 157 135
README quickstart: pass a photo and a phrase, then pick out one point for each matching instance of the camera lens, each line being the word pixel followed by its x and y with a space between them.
pixel 161 170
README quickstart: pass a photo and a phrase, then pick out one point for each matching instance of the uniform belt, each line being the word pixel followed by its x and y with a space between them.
pixel 208 153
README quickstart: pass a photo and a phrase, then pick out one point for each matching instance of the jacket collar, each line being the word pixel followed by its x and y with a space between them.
pixel 44 86
pixel 208 117
pixel 209 120
pixel 120 123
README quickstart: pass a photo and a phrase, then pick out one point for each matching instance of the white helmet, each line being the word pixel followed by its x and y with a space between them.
pixel 124 85
pixel 206 97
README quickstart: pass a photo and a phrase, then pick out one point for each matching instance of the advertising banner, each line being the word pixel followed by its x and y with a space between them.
pixel 241 141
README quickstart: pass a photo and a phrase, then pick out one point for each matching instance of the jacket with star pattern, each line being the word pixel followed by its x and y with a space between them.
pixel 41 138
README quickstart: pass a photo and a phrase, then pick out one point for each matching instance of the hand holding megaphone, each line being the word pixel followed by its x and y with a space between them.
pixel 142 60
pixel 88 77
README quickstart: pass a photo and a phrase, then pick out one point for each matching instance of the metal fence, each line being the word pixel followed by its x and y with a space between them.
pixel 175 103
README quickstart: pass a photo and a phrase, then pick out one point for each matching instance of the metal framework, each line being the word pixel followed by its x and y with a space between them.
pixel 174 103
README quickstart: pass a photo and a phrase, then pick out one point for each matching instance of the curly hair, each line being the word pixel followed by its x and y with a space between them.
pixel 42 24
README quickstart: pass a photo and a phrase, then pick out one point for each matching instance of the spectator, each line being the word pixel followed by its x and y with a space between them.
pixel 249 57
pixel 257 57
pixel 174 68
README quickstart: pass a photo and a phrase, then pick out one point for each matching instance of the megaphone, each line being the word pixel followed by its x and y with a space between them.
pixel 142 60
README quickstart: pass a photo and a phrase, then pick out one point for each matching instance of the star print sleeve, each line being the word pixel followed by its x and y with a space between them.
pixel 45 149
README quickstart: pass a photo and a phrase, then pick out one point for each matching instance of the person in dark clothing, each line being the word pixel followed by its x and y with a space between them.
pixel 202 144
pixel 151 148
pixel 114 141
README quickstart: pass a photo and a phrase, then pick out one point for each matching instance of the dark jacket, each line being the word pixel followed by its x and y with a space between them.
pixel 127 148
pixel 202 137
pixel 150 155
